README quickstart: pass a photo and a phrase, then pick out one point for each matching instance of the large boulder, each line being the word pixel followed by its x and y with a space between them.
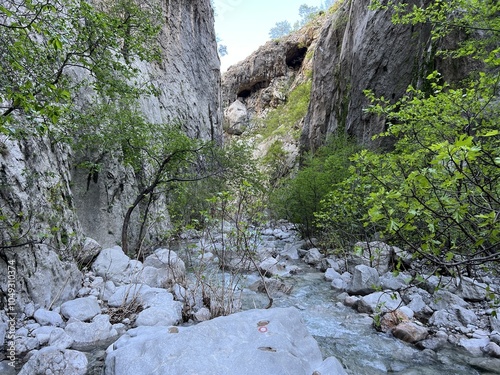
pixel 364 280
pixel 160 309
pixel 379 302
pixel 112 264
pixel 90 250
pixel 452 317
pixel 127 294
pixel 471 290
pixel 252 342
pixel 374 254
pixel 443 299
pixel 87 335
pixel 235 118
pixel 313 257
pixel 165 259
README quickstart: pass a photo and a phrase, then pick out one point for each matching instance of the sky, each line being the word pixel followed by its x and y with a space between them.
pixel 243 25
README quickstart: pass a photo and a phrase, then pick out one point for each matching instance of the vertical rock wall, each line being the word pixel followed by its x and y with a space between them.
pixel 358 50
pixel 187 83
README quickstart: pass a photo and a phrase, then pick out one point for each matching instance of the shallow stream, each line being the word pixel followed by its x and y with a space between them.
pixel 350 336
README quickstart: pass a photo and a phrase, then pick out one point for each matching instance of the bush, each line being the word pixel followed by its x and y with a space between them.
pixel 284 119
pixel 226 170
pixel 299 198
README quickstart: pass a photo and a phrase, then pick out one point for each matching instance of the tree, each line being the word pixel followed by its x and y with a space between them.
pixel 306 13
pixel 437 193
pixel 281 29
pixel 325 5
pixel 45 41
pixel 299 198
pixel 222 49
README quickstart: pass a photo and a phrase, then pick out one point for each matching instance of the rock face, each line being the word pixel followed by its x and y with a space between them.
pixel 358 50
pixel 253 80
pixel 271 341
pixel 61 204
pixel 187 83
pixel 264 81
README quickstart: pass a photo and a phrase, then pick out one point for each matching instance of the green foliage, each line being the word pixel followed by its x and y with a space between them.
pixel 49 41
pixel 307 13
pixel 437 193
pixel 226 169
pixel 299 198
pixel 275 162
pixel 235 217
pixel 284 119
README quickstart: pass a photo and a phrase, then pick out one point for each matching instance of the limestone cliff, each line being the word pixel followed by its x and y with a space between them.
pixel 55 205
pixel 263 83
pixel 187 82
pixel 351 49
pixel 360 49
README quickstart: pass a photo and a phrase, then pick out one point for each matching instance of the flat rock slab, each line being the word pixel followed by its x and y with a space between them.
pixel 254 342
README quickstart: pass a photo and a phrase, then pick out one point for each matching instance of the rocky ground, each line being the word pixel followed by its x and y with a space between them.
pixel 139 316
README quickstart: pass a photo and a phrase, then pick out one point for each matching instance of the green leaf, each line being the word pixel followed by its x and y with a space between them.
pixel 5 11
pixel 56 43
pixel 490 133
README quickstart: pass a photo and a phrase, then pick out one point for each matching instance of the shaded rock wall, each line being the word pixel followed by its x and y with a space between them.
pixel 359 50
pixel 272 65
pixel 187 83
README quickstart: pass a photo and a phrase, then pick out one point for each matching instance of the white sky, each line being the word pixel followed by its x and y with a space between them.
pixel 243 25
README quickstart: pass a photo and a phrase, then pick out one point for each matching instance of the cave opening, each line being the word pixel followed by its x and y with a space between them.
pixel 247 91
pixel 295 56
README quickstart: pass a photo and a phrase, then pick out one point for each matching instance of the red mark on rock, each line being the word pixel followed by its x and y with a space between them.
pixel 262 329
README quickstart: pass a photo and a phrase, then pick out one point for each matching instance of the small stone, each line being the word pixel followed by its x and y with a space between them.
pixel 492 349
pixel 42 334
pixel 410 332
pixel 48 318
pixel 82 309
pixel 60 339
pixel 391 319
pixel 202 315
pixel 351 301
pixel 331 274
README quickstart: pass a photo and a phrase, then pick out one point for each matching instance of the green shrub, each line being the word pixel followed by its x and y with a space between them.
pixel 227 169
pixel 284 119
pixel 299 198
pixel 437 193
